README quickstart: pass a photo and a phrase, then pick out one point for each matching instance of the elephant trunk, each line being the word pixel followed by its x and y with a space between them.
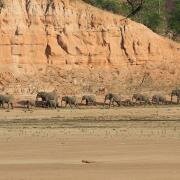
pixel 81 101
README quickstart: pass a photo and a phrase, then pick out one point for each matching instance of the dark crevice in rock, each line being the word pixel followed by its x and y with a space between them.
pixel 50 4
pixel 48 51
pixel 149 48
pixel 109 54
pixel 89 58
pixel 123 47
pixel 134 48
pixel 27 4
pixel 61 44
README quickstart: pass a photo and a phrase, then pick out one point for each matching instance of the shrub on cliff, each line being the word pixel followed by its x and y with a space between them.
pixel 2 5
pixel 111 5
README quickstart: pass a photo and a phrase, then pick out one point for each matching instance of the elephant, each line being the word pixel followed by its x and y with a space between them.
pixel 89 99
pixel 6 99
pixel 71 100
pixel 141 98
pixel 48 98
pixel 157 99
pixel 177 94
pixel 113 98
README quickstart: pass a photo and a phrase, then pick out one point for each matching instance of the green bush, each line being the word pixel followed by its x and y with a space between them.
pixel 153 21
pixel 109 5
pixel 174 19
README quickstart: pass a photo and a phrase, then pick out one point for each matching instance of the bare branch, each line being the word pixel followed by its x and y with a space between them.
pixel 136 6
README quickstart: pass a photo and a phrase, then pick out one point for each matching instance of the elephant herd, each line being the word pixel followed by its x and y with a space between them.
pixel 51 100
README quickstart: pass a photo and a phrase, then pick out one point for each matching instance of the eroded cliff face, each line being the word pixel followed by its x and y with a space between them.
pixel 73 47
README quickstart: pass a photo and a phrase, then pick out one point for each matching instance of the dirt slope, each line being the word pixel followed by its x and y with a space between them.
pixel 76 48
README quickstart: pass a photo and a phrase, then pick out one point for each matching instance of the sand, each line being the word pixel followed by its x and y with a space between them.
pixel 90 144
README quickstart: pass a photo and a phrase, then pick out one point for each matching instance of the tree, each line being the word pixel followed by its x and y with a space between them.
pixel 2 5
pixel 174 19
pixel 161 16
pixel 136 6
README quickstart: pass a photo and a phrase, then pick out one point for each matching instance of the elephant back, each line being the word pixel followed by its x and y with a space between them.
pixel 1 97
pixel 46 96
pixel 72 99
pixel 52 96
pixel 6 98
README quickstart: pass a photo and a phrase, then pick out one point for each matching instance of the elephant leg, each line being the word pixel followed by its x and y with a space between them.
pixel 70 104
pixel 3 105
pixel 113 103
pixel 56 105
pixel 171 99
pixel 87 102
pixel 119 103
pixel 158 102
pixel 66 104
pixel 43 104
pixel 81 101
pixel 28 106
pixel 76 105
pixel 110 103
pixel 50 105
pixel 136 102
pixel 95 104
pixel 178 99
pixel 12 107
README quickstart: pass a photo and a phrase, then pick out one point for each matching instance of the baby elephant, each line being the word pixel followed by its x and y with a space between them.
pixel 6 99
pixel 71 100
pixel 158 99
pixel 29 104
pixel 89 99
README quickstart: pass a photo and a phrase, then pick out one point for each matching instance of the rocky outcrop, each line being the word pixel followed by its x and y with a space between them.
pixel 71 46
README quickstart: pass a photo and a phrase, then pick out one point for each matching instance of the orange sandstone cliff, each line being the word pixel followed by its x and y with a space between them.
pixel 76 48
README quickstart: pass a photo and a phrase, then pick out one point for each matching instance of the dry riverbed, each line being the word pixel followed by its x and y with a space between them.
pixel 90 144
